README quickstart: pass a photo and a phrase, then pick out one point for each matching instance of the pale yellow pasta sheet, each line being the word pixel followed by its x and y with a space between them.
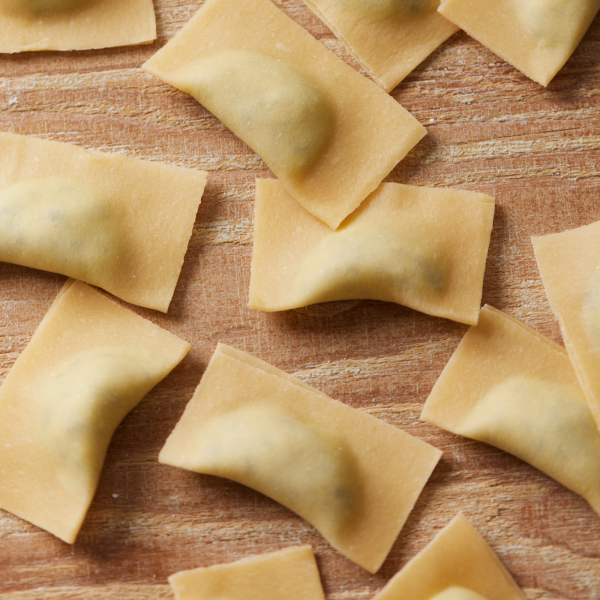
pixel 89 362
pixel 535 36
pixel 388 37
pixel 282 575
pixel 569 263
pixel 329 134
pixel 118 223
pixel 422 247
pixel 457 556
pixel 511 387
pixel 74 24
pixel 353 477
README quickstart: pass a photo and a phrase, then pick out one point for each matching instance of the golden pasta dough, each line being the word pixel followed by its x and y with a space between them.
pixel 75 24
pixel 88 364
pixel 422 247
pixel 117 223
pixel 535 36
pixel 254 424
pixel 511 387
pixel 326 132
pixel 569 263
pixel 288 573
pixel 388 37
pixel 458 564
pixel 458 593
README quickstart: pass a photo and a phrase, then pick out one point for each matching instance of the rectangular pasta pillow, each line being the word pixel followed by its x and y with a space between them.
pixel 535 36
pixel 353 477
pixel 422 247
pixel 118 223
pixel 511 387
pixel 88 364
pixel 329 134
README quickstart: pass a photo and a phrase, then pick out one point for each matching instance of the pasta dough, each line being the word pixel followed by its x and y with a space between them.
pixel 535 36
pixel 114 222
pixel 458 593
pixel 325 131
pixel 458 557
pixel 87 365
pixel 509 386
pixel 289 573
pixel 422 247
pixel 254 424
pixel 75 24
pixel 570 264
pixel 388 37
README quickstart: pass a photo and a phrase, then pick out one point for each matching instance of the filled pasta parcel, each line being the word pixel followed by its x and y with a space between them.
pixel 425 248
pixel 114 222
pixel 288 573
pixel 329 134
pixel 388 37
pixel 511 387
pixel 29 25
pixel 569 263
pixel 535 36
pixel 351 476
pixel 88 364
pixel 458 564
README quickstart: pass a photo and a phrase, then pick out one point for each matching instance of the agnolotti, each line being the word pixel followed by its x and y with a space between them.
pixel 326 132
pixel 75 24
pixel 288 573
pixel 511 387
pixel 458 564
pixel 117 223
pixel 256 425
pixel 535 36
pixel 422 247
pixel 88 364
pixel 388 37
pixel 569 263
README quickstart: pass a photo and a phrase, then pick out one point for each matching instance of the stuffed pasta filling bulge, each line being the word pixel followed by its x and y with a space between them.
pixel 84 403
pixel 370 261
pixel 549 425
pixel 274 106
pixel 273 451
pixel 62 226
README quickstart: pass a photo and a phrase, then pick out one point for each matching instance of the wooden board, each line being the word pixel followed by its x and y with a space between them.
pixel 491 130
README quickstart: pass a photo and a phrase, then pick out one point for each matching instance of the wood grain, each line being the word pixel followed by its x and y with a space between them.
pixel 490 129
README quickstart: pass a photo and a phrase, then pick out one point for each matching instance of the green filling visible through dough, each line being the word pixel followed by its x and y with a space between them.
pixel 273 106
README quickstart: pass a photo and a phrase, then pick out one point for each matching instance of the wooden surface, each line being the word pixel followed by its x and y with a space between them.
pixel 491 130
